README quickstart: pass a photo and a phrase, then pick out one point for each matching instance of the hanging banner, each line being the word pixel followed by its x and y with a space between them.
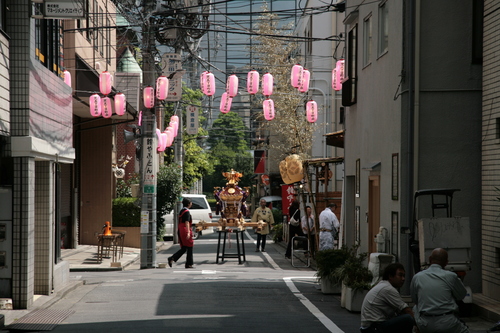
pixel 287 196
pixel 259 161
pixel 171 62
pixel 192 123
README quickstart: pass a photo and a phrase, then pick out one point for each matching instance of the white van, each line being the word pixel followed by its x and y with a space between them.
pixel 200 210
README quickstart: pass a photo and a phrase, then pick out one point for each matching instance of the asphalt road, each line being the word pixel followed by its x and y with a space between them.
pixel 264 294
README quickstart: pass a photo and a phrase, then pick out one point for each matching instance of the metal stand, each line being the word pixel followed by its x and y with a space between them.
pixel 302 248
pixel 241 251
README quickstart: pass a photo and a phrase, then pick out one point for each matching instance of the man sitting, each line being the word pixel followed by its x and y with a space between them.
pixel 383 309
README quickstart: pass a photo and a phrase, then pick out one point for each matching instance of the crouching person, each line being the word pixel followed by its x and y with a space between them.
pixel 383 308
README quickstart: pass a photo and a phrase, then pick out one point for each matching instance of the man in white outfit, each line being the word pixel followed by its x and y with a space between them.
pixel 328 227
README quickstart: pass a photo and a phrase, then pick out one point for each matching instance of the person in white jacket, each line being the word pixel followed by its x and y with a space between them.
pixel 328 227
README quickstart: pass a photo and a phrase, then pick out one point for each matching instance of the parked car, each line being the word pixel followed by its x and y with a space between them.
pixel 200 210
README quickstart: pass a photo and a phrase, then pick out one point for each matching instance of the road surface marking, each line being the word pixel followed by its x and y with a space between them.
pixel 267 256
pixel 330 325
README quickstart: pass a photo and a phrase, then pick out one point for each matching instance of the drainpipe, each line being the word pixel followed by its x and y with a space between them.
pixel 412 121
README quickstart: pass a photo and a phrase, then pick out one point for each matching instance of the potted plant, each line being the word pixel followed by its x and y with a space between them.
pixel 356 279
pixel 327 261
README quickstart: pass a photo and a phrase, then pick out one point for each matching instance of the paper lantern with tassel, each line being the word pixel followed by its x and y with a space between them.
pixel 158 137
pixel 67 78
pixel 304 83
pixel 268 106
pixel 95 105
pixel 209 84
pixel 296 76
pixel 334 79
pixel 267 84
pixel 312 111
pixel 106 109
pixel 162 88
pixel 339 73
pixel 232 85
pixel 105 82
pixel 253 82
pixel 120 103
pixel 175 119
pixel 225 103
pixel 148 96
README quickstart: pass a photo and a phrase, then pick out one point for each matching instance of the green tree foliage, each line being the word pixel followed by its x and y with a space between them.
pixel 197 163
pixel 169 188
pixel 229 150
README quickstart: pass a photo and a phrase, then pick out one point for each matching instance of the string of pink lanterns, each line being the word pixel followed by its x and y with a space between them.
pixel 299 79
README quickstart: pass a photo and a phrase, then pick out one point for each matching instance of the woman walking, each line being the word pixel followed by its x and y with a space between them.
pixel 185 233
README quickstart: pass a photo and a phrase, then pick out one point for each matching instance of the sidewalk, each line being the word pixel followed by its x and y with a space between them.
pixel 83 258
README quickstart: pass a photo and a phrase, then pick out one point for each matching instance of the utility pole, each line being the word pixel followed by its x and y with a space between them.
pixel 149 156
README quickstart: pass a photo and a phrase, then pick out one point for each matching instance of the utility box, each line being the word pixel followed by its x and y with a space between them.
pixel 449 233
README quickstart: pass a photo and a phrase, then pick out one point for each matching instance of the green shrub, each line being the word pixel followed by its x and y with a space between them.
pixel 126 213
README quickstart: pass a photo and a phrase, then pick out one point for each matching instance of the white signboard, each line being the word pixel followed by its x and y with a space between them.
pixel 64 9
pixel 171 62
pixel 144 222
pixel 192 119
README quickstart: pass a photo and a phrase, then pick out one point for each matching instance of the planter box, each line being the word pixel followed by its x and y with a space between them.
pixel 354 299
pixel 327 287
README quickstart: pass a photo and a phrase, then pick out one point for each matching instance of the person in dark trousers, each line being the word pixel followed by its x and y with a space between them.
pixel 294 227
pixel 263 213
pixel 185 233
pixel 383 308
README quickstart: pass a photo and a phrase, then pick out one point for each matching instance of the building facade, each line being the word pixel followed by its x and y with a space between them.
pixel 490 153
pixel 413 97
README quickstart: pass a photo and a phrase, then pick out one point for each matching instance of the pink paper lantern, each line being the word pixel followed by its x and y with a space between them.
pixel 175 119
pixel 107 112
pixel 158 137
pixel 95 105
pixel 268 106
pixel 304 83
pixel 139 121
pixel 171 135
pixel 339 69
pixel 334 79
pixel 225 103
pixel 164 140
pixel 232 85
pixel 208 84
pixel 105 82
pixel 202 81
pixel 312 111
pixel 67 78
pixel 162 88
pixel 253 82
pixel 296 76
pixel 148 95
pixel 120 103
pixel 267 84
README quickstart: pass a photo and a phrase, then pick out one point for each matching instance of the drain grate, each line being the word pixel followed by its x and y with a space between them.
pixel 40 320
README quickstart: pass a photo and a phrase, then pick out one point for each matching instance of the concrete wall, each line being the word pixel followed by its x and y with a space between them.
pixel 373 133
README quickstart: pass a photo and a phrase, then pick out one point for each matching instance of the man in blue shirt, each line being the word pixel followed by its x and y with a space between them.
pixel 435 292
